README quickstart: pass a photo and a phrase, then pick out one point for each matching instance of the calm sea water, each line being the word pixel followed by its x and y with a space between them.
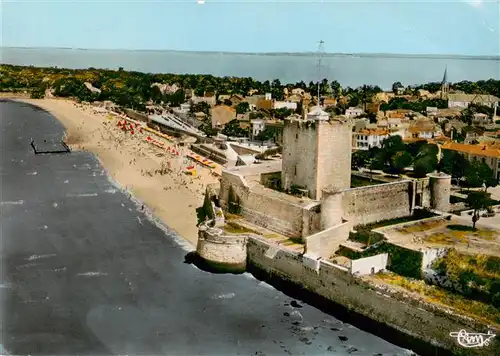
pixel 349 70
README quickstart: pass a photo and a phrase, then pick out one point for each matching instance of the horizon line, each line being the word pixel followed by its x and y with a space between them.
pixel 361 54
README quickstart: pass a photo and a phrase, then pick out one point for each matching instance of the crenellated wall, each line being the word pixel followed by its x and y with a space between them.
pixel 374 203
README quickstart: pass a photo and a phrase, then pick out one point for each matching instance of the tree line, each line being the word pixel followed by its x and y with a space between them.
pixel 395 156
pixel 135 89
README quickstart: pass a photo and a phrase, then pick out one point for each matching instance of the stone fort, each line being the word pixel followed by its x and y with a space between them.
pixel 307 194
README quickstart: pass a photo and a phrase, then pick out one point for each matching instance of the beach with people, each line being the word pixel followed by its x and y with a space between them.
pixel 152 174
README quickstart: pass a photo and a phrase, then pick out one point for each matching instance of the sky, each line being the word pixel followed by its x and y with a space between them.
pixel 463 27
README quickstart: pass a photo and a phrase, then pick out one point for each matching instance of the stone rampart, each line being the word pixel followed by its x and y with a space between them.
pixel 272 213
pixel 396 310
pixel 374 203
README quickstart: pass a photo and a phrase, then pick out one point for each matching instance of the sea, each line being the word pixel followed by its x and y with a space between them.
pixel 350 70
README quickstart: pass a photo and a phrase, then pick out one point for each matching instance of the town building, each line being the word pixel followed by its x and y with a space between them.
pixel 258 125
pixel 221 115
pixel 489 154
pixel 423 128
pixel 368 138
pixel 464 100
pixel 285 104
pixel 354 112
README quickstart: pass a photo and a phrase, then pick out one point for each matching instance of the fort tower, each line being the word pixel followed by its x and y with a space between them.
pixel 440 189
pixel 316 153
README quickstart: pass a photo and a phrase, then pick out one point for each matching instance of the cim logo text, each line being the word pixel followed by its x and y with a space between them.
pixel 470 340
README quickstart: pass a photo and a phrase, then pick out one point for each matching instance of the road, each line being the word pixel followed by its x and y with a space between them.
pixel 85 272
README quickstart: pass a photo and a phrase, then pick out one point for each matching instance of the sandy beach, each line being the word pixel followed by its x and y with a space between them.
pixel 170 195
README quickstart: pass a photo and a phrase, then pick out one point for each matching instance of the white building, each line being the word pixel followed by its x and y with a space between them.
pixel 368 138
pixel 464 100
pixel 432 111
pixel 185 107
pixel 258 125
pixel 285 104
pixel 353 112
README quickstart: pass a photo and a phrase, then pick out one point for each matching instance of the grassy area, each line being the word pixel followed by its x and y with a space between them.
pixel 357 182
pixel 233 228
pixel 483 312
pixel 421 227
pixel 461 233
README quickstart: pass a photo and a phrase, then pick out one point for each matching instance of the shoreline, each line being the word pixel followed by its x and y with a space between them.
pixel 171 199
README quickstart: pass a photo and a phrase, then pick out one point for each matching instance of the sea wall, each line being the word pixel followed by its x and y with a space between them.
pixel 374 203
pixel 420 320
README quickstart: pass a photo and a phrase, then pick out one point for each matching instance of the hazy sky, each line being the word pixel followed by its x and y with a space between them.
pixel 400 26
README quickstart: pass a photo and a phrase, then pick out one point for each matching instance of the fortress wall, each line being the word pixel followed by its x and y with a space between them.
pixel 424 321
pixel 325 243
pixel 272 213
pixel 374 203
pixel 234 182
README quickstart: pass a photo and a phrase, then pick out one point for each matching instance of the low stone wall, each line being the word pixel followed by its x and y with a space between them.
pixel 419 320
pixel 325 243
pixel 369 265
pixel 374 203
pixel 222 251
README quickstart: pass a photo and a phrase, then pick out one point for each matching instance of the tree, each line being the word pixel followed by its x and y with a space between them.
pixel 399 161
pixel 424 165
pixel 478 173
pixel 267 134
pixel 466 116
pixel 242 107
pixel 233 129
pixel 396 87
pixel 477 201
pixel 156 94
pixel 228 102
pixel 453 163
pixel 360 159
pixel 200 107
pixel 206 127
pixel 38 93
pixel 336 88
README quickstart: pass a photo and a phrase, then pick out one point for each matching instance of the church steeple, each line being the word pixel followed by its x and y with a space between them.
pixel 445 86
